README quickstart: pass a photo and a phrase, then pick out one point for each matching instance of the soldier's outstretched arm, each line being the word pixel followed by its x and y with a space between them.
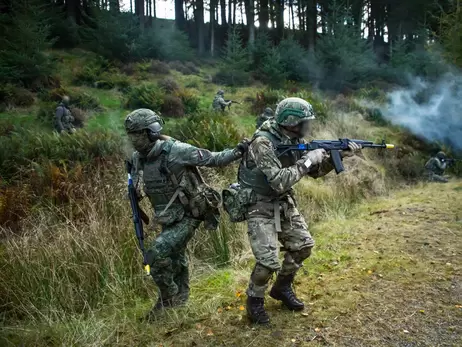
pixel 185 154
pixel 281 179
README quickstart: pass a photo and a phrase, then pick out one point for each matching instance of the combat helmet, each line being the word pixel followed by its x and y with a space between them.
pixel 142 119
pixel 292 111
pixel 269 111
pixel 441 155
pixel 221 92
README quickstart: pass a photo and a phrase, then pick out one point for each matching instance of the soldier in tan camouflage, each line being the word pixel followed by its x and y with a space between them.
pixel 272 214
pixel 63 117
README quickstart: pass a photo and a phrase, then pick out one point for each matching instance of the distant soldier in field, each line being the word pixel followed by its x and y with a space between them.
pixel 180 198
pixel 435 167
pixel 267 177
pixel 219 103
pixel 268 114
pixel 64 118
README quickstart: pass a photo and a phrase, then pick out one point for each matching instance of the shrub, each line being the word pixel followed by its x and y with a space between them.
pixel 158 67
pixel 87 75
pixel 145 96
pixel 346 59
pixel 169 85
pixel 264 99
pixel 83 100
pixel 187 68
pixel 261 48
pixel 11 96
pixel 235 65
pixel 207 129
pixel 190 100
pixel 272 70
pixel 80 117
pixel 293 58
pixel 113 79
pixel 24 42
pixel 46 113
pixel 172 106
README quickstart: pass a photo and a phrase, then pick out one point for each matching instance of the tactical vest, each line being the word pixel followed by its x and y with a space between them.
pixel 249 176
pixel 157 176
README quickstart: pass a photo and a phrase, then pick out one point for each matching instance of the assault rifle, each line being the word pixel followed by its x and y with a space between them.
pixel 333 146
pixel 451 161
pixel 232 102
pixel 138 216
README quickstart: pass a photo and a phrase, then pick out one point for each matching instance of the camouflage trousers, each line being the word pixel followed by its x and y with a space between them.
pixel 433 177
pixel 264 240
pixel 168 260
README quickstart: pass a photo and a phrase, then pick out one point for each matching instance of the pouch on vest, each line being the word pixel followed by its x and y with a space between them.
pixel 235 202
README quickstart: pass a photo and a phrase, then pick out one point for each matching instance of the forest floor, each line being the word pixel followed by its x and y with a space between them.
pixel 391 275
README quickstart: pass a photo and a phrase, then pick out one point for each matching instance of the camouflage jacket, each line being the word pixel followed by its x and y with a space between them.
pixel 267 172
pixel 171 165
pixel 63 118
pixel 435 166
pixel 219 103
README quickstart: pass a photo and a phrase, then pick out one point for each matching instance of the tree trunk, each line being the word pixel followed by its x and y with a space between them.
pixel 311 23
pixel 73 10
pixel 179 15
pixel 114 6
pixel 199 18
pixel 279 13
pixel 223 11
pixel 292 14
pixel 250 15
pixel 229 12
pixel 264 14
pixel 234 11
pixel 213 5
pixel 371 22
pixel 139 11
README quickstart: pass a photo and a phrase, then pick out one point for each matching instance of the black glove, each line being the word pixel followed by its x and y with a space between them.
pixel 243 146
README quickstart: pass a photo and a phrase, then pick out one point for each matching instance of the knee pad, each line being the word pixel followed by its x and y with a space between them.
pixel 302 254
pixel 261 275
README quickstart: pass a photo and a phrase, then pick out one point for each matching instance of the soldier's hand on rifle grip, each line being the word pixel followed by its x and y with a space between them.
pixel 353 149
pixel 312 158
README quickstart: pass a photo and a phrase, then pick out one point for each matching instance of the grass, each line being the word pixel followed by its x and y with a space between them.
pixel 71 274
pixel 390 275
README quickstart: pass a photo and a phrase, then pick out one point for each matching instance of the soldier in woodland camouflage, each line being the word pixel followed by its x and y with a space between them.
pixel 268 114
pixel 272 213
pixel 219 103
pixel 64 118
pixel 435 168
pixel 178 194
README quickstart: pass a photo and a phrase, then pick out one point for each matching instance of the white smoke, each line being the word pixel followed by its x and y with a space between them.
pixel 431 110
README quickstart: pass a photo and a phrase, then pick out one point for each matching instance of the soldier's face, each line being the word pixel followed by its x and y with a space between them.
pixel 304 128
pixel 140 141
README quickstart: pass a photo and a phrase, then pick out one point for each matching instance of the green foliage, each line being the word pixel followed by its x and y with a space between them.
pixel 294 59
pixel 186 68
pixel 261 48
pixel 451 34
pixel 190 100
pixel 235 65
pixel 146 95
pixel 264 99
pixel 11 96
pixel 272 69
pixel 23 45
pixel 206 129
pixel 346 59
pixel 78 98
pixel 117 36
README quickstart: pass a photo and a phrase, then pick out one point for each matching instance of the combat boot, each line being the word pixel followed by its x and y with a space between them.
pixel 256 310
pixel 282 291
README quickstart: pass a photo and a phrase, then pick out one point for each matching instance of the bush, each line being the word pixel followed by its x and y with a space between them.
pixel 346 59
pixel 207 129
pixel 78 98
pixel 294 60
pixel 88 75
pixel 172 106
pixel 80 117
pixel 11 96
pixel 264 99
pixel 24 42
pixel 272 70
pixel 113 79
pixel 158 67
pixel 261 48
pixel 190 100
pixel 169 85
pixel 46 113
pixel 187 68
pixel 235 65
pixel 145 96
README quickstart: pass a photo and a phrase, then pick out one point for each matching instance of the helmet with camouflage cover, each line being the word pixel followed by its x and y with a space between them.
pixel 221 92
pixel 441 155
pixel 141 119
pixel 269 111
pixel 292 111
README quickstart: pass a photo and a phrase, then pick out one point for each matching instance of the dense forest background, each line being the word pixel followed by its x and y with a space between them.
pixel 334 44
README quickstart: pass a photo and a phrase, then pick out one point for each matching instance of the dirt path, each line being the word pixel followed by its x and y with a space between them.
pixel 391 276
